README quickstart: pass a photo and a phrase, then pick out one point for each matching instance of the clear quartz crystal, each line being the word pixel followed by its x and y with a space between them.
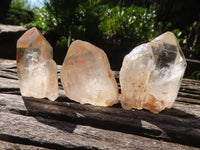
pixel 86 75
pixel 151 74
pixel 36 69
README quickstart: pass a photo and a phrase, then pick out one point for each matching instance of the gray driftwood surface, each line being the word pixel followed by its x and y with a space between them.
pixel 29 123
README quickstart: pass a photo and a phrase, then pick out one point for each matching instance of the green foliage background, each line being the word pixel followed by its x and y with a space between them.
pixel 116 26
pixel 20 13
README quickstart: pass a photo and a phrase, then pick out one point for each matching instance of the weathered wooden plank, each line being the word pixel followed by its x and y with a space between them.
pixel 7 62
pixel 15 146
pixel 191 82
pixel 188 100
pixel 189 95
pixel 70 136
pixel 171 125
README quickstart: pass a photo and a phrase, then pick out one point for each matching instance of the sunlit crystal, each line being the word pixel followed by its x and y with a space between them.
pixel 36 69
pixel 86 75
pixel 151 74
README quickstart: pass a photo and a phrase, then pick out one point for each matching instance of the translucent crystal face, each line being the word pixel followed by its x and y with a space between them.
pixel 151 74
pixel 86 75
pixel 36 70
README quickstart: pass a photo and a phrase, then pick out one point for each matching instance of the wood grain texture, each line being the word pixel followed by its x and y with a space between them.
pixel 15 146
pixel 65 124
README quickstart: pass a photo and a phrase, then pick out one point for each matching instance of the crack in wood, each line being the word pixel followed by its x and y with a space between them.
pixel 27 141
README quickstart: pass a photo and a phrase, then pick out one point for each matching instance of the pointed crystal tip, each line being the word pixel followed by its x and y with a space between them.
pixel 29 36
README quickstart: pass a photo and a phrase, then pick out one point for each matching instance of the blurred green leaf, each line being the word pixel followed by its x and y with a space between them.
pixel 196 75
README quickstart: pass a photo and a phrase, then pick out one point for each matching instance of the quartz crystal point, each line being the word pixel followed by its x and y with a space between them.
pixel 86 75
pixel 151 74
pixel 36 69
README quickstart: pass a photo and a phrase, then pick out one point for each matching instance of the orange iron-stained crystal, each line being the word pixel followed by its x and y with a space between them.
pixel 151 74
pixel 36 69
pixel 86 75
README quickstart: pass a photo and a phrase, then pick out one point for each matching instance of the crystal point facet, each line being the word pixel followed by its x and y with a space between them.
pixel 151 74
pixel 36 69
pixel 86 75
